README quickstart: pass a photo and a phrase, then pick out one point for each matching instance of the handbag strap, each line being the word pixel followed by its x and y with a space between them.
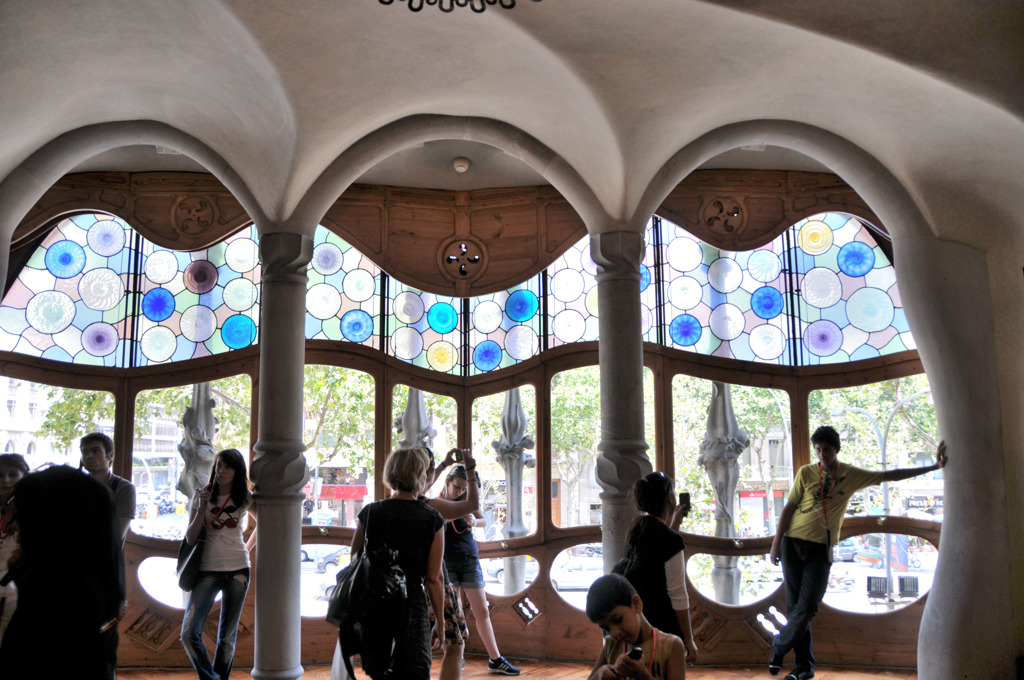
pixel 376 510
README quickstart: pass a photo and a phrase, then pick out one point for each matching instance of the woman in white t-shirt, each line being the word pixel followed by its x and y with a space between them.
pixel 224 568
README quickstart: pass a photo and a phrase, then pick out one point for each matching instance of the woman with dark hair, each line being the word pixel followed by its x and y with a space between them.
pixel 12 468
pixel 80 605
pixel 654 561
pixel 462 561
pixel 220 507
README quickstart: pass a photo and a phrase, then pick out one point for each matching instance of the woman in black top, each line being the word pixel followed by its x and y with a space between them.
pixel 416 531
pixel 654 561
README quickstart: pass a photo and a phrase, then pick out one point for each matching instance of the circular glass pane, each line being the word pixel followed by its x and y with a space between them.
pixel 815 237
pixel 521 305
pixel 50 311
pixel 442 356
pixel 569 325
pixel 487 355
pixel 198 323
pixel 161 266
pixel 725 275
pixel 200 277
pixel 521 343
pixel 567 285
pixel 685 292
pixel 240 294
pixel 408 307
pixel 856 258
pixel 823 338
pixel 358 285
pixel 767 342
pixel 99 339
pixel 684 254
pixel 870 309
pixel 442 317
pixel 101 289
pixel 323 301
pixel 158 304
pixel 685 330
pixel 158 344
pixel 106 238
pixel 242 255
pixel 766 302
pixel 822 288
pixel 65 259
pixel 764 266
pixel 238 331
pixel 727 321
pixel 487 316
pixel 327 259
pixel 407 343
pixel 356 325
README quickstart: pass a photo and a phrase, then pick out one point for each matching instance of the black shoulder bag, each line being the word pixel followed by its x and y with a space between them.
pixel 368 598
pixel 189 557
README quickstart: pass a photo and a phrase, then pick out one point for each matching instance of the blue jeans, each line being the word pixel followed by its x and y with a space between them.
pixel 805 568
pixel 232 585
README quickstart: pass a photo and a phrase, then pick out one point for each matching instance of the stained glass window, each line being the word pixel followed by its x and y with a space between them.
pixel 505 327
pixel 572 286
pixel 97 293
pixel 425 329
pixel 342 293
pixel 822 292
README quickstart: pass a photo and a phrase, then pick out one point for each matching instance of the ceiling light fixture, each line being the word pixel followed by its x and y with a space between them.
pixel 477 6
pixel 460 164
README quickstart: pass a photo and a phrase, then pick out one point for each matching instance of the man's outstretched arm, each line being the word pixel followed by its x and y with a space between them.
pixel 900 474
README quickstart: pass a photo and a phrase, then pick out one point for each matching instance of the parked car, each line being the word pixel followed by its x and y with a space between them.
pixel 495 568
pixel 576 574
pixel 334 560
pixel 846 550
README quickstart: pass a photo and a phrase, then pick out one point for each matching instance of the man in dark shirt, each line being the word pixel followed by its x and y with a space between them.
pixel 97 457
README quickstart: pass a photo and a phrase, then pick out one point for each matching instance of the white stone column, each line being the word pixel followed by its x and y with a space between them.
pixel 968 342
pixel 623 458
pixel 279 468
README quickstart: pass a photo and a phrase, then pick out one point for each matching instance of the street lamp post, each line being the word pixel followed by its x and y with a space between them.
pixel 882 441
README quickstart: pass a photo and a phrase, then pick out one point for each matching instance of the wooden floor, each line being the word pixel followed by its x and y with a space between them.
pixel 476 669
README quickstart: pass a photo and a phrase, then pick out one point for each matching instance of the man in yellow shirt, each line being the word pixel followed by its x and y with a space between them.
pixel 808 527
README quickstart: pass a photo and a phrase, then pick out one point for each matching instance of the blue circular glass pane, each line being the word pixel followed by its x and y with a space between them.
pixel 856 258
pixel 766 302
pixel 645 277
pixel 356 325
pixel 158 304
pixel 521 306
pixel 487 355
pixel 65 259
pixel 238 331
pixel 685 330
pixel 442 317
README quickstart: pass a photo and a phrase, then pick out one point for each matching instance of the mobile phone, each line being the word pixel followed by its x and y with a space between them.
pixel 684 498
pixel 635 654
pixel 458 455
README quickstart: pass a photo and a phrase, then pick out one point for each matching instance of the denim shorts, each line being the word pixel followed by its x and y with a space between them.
pixel 464 572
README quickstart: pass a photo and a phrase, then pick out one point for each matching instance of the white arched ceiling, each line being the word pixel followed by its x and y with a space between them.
pixel 281 91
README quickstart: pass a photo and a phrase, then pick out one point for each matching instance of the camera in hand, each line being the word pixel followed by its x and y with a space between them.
pixel 458 455
pixel 635 654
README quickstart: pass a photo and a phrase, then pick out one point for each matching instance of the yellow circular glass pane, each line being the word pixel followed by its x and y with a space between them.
pixel 442 355
pixel 815 237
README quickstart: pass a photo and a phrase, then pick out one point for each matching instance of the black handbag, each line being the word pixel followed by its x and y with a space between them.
pixel 189 557
pixel 369 599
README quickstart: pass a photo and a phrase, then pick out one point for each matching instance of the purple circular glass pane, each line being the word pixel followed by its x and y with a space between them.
pixel 99 339
pixel 106 238
pixel 823 338
pixel 200 277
